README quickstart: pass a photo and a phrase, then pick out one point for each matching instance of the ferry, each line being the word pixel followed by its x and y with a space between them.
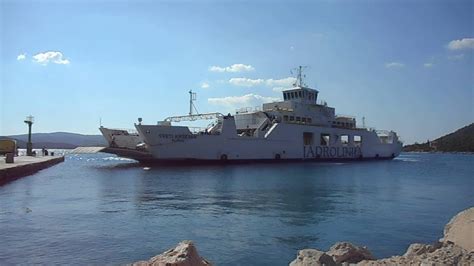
pixel 297 128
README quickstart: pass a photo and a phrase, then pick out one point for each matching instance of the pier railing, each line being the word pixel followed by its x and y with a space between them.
pixel 39 153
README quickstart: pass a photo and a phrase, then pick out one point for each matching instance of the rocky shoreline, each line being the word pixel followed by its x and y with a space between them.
pixel 455 248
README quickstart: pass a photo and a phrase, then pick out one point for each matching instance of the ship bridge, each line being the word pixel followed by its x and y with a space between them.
pixel 301 95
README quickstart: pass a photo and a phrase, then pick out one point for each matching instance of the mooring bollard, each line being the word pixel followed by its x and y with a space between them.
pixel 9 158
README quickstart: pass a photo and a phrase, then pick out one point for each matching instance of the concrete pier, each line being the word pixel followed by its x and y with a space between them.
pixel 25 165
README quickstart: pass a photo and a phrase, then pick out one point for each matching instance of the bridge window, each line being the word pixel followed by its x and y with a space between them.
pixel 285 97
pixel 325 138
pixel 345 140
pixel 357 140
pixel 298 119
pixel 300 95
pixel 285 118
pixel 308 138
pixel 292 118
pixel 303 119
pixel 309 120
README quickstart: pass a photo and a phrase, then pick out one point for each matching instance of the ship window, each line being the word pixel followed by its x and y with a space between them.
pixel 345 139
pixel 325 138
pixel 285 118
pixel 299 94
pixel 357 140
pixel 298 119
pixel 309 120
pixel 284 96
pixel 292 118
pixel 303 119
pixel 308 138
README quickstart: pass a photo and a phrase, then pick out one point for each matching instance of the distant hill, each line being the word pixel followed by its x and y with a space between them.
pixel 462 140
pixel 59 140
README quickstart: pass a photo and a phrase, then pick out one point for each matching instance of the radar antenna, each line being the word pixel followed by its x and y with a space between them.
pixel 299 76
pixel 192 98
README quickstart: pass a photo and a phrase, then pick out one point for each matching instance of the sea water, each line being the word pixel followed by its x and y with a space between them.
pixel 96 209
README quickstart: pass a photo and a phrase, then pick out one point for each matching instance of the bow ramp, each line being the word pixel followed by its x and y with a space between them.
pixel 141 156
pixel 87 150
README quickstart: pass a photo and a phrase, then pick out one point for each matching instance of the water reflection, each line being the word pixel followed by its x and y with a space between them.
pixel 266 191
pixel 116 211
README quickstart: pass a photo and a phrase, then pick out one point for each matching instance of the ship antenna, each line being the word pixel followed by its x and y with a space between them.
pixel 299 76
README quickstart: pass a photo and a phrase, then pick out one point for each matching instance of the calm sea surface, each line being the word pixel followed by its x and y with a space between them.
pixel 95 209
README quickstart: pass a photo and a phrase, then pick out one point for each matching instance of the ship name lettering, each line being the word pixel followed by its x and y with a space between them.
pixel 330 152
pixel 176 137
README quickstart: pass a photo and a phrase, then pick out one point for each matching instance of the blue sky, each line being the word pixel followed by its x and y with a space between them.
pixel 404 65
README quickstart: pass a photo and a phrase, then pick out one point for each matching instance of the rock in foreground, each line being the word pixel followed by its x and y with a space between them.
pixel 347 252
pixel 308 257
pixel 339 253
pixel 460 230
pixel 185 254
pixel 455 248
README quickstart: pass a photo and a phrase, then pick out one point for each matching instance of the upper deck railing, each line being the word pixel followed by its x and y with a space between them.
pixel 245 110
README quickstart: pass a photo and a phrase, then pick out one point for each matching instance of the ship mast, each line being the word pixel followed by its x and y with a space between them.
pixel 192 98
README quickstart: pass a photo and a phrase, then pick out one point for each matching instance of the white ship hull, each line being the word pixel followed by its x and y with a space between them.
pixel 280 142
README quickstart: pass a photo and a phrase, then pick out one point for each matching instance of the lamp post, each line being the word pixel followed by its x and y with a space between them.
pixel 29 146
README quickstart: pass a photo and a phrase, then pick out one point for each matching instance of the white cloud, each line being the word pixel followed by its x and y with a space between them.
pixel 21 57
pixel 456 57
pixel 242 101
pixel 285 82
pixel 428 65
pixel 50 56
pixel 465 43
pixel 394 65
pixel 205 85
pixel 246 82
pixel 232 68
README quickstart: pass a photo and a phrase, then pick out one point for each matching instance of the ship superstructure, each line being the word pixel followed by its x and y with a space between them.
pixel 297 128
